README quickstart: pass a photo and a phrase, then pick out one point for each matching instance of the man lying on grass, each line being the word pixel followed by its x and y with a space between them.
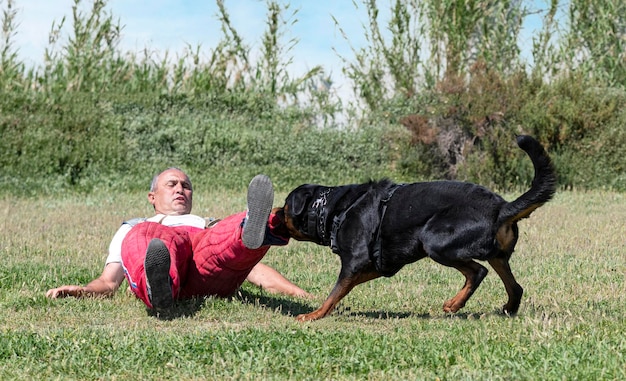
pixel 178 255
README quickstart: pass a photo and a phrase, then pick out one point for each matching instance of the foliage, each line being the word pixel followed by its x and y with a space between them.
pixel 449 74
pixel 464 101
pixel 607 168
pixel 596 40
pixel 94 113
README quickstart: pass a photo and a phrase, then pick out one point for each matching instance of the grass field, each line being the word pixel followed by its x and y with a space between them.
pixel 571 260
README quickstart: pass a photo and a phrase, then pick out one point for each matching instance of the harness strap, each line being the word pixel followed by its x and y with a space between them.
pixel 338 221
pixel 134 221
pixel 378 242
pixel 318 213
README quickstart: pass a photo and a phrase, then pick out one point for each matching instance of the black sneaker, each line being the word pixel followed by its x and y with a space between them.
pixel 157 268
pixel 260 201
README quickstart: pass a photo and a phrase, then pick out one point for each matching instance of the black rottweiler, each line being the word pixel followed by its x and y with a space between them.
pixel 378 227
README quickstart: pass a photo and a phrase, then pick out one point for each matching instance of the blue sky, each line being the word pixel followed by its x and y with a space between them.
pixel 172 24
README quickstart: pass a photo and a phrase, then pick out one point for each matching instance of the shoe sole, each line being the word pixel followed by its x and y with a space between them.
pixel 260 201
pixel 157 268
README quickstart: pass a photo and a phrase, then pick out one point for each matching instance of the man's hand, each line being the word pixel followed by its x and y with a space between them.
pixel 105 285
pixel 65 291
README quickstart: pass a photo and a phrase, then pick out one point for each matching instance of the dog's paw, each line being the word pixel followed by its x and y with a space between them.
pixel 303 318
pixel 452 306
pixel 508 310
pixel 315 315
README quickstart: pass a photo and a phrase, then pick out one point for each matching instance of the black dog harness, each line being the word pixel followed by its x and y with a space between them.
pixel 338 221
pixel 340 218
pixel 378 242
pixel 318 214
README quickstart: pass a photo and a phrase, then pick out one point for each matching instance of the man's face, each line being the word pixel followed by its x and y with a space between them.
pixel 173 194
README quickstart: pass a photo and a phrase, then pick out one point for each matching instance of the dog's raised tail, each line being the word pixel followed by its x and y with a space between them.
pixel 542 188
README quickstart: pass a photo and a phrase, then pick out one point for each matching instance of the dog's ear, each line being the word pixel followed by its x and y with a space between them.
pixel 297 201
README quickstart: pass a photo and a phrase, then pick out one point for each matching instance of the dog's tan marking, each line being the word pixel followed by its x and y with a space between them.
pixel 526 212
pixel 293 232
pixel 505 237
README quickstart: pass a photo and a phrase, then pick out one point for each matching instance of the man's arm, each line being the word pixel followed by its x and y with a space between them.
pixel 272 281
pixel 105 285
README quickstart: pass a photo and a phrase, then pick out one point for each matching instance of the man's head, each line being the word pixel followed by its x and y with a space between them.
pixel 171 192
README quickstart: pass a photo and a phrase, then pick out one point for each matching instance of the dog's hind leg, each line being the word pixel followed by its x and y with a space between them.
pixel 474 275
pixel 344 285
pixel 513 289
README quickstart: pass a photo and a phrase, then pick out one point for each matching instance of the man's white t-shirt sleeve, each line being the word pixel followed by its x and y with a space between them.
pixel 115 247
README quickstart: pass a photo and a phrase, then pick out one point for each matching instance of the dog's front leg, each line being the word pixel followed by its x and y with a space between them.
pixel 343 286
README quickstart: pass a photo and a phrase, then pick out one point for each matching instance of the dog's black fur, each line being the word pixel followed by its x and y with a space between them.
pixel 378 227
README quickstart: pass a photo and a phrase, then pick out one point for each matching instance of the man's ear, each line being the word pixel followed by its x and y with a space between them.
pixel 151 198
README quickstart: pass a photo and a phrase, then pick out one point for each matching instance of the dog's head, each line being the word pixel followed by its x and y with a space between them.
pixel 302 206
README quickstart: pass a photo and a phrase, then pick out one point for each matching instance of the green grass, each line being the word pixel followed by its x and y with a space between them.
pixel 570 260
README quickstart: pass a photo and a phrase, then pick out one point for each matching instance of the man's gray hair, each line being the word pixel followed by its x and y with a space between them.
pixel 155 179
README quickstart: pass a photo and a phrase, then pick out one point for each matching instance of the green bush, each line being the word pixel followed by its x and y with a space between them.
pixel 93 117
pixel 570 109
pixel 596 162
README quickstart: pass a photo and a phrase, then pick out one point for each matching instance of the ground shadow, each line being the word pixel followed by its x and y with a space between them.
pixel 190 307
pixel 285 306
pixel 387 315
pixel 391 315
pixel 294 307
pixel 181 308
